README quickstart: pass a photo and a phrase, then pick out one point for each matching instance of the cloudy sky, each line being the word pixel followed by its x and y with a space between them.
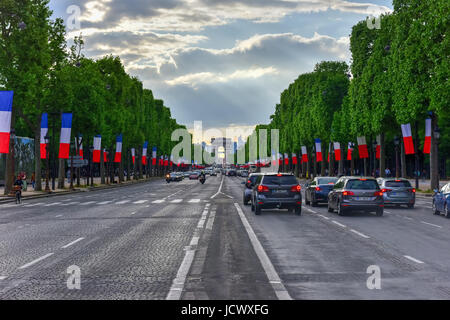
pixel 224 62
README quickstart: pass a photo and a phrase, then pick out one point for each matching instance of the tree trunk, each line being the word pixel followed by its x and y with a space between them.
pixel 314 166
pixel 62 173
pixel 102 168
pixel 434 158
pixel 382 156
pixel 341 163
pixel 365 167
pixel 403 159
pixel 37 159
pixel 140 168
pixel 129 161
pixel 322 168
pixel 352 166
pixel 9 169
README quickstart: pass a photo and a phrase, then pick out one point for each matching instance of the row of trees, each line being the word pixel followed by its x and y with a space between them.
pixel 46 76
pixel 399 74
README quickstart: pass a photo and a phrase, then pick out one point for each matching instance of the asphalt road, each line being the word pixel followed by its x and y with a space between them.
pixel 190 241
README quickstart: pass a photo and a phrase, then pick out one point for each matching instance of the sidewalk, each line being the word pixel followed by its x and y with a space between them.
pixel 30 193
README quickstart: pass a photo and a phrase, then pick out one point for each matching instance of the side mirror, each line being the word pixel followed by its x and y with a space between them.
pixel 243 182
pixel 436 191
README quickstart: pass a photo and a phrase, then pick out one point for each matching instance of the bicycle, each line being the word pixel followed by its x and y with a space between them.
pixel 18 191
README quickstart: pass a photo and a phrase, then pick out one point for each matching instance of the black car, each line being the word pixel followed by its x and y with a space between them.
pixel 277 190
pixel 317 191
pixel 249 184
pixel 354 193
pixel 231 173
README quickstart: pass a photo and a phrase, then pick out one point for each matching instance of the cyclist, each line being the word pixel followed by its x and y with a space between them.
pixel 18 188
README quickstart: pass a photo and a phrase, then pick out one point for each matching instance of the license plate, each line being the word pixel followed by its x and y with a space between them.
pixel 279 191
pixel 363 198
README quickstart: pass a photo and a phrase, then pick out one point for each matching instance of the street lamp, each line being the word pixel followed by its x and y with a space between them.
pixel 72 147
pixel 437 136
pixel 375 144
pixel 47 154
pixel 396 143
pixel 91 153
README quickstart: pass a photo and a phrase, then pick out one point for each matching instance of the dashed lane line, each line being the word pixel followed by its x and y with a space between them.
pixel 88 203
pixel 36 261
pixel 430 224
pixel 123 202
pixel 322 216
pixel 414 259
pixel 159 201
pixel 360 234
pixel 72 243
pixel 3 277
pixel 176 201
pixel 339 224
pixel 140 202
pixel 53 204
pixel 104 202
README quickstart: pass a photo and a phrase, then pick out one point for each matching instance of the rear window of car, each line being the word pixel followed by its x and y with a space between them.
pixel 283 180
pixel 327 180
pixel 362 185
pixel 398 184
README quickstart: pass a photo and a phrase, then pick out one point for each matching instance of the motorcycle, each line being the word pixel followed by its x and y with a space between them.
pixel 202 180
pixel 168 178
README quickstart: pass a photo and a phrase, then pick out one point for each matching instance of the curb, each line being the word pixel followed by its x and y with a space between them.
pixel 90 189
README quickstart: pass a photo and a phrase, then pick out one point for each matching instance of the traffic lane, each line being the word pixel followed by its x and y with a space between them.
pixel 404 229
pixel 318 259
pixel 226 266
pixel 20 243
pixel 135 258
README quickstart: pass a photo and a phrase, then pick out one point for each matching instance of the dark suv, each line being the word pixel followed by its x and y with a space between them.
pixel 353 193
pixel 274 190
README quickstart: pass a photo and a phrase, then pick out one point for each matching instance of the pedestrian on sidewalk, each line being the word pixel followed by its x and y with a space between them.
pixel 24 179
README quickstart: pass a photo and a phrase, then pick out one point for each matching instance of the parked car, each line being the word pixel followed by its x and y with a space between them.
pixel 277 190
pixel 318 190
pixel 354 193
pixel 441 201
pixel 397 192
pixel 249 184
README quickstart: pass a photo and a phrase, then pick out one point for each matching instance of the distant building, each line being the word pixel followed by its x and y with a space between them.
pixel 224 150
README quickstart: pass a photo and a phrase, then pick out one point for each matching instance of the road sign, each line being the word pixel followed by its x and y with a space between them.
pixel 77 163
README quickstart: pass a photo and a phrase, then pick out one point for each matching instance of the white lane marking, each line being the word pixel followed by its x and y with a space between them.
pixel 3 277
pixel 407 218
pixel 176 201
pixel 72 243
pixel 104 202
pixel 220 189
pixel 88 203
pixel 209 224
pixel 194 201
pixel 70 204
pixel 59 215
pixel 272 275
pixel 133 213
pixel 430 224
pixel 339 224
pixel 387 212
pixel 53 204
pixel 36 261
pixel 322 216
pixel 34 205
pixel 360 234
pixel 140 201
pixel 159 201
pixel 178 283
pixel 194 241
pixel 173 194
pixel 414 259
pixel 123 202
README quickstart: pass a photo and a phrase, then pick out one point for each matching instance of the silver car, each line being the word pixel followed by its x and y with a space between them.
pixel 397 192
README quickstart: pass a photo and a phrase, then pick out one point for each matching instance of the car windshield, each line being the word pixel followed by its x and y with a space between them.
pixel 327 180
pixel 398 184
pixel 362 184
pixel 280 180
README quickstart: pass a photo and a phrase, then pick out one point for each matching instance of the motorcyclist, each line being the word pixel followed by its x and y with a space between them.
pixel 18 184
pixel 202 176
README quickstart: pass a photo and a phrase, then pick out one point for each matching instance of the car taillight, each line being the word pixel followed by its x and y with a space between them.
pixel 296 188
pixel 318 189
pixel 385 190
pixel 249 182
pixel 412 190
pixel 262 188
pixel 348 193
pixel 378 194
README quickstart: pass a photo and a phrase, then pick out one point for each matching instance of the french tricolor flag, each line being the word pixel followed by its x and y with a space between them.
pixel 318 150
pixel 294 159
pixel 171 160
pixel 286 159
pixel 274 159
pixel 133 155
pixel 280 159
pixel 350 151
pixel 304 154
pixel 154 156
pixel 337 151
pixel 144 153
pixel 44 131
pixel 6 101
pixel 427 145
pixel 97 149
pixel 80 150
pixel 64 141
pixel 407 139
pixel 105 156
pixel 166 161
pixel 362 148
pixel 118 155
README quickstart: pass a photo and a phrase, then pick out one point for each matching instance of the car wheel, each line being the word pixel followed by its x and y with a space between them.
pixel 380 212
pixel 257 210
pixel 340 210
pixel 253 206
pixel 298 211
pixel 447 211
pixel 330 209
pixel 245 201
pixel 313 203
pixel 435 211
pixel 411 206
